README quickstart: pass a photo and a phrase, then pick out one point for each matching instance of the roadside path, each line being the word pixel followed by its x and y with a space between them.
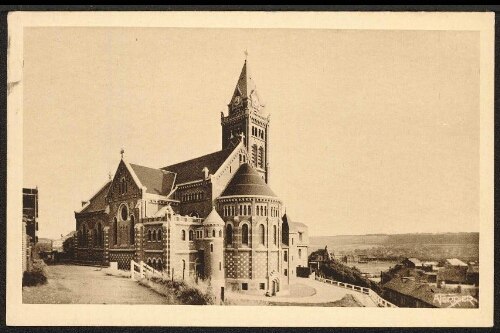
pixel 69 284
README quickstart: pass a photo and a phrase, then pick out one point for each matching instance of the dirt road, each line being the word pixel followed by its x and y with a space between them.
pixel 88 285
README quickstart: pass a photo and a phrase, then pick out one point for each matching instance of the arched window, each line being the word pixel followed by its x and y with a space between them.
pixel 211 247
pixel 244 210
pixel 275 235
pixel 124 212
pixel 84 235
pixel 79 237
pixel 220 233
pixel 115 231
pixel 262 237
pixel 244 234
pixel 94 237
pixel 149 236
pixel 148 262
pixel 100 234
pixel 254 155
pixel 183 234
pixel 123 186
pixel 261 157
pixel 153 263
pixel 159 265
pixel 159 235
pixel 132 229
pixel 261 210
pixel 191 235
pixel 213 233
pixel 229 235
pixel 154 236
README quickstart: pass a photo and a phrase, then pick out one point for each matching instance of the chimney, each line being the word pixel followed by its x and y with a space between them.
pixel 205 172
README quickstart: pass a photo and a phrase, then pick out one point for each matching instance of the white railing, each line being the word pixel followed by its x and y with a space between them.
pixel 142 270
pixel 366 291
pixel 380 301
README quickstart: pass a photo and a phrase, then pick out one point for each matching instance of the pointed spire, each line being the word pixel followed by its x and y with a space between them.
pixel 245 85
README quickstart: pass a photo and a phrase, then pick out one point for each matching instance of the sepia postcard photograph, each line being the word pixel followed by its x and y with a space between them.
pixel 250 169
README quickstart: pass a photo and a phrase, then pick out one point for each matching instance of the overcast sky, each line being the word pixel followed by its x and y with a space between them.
pixel 371 131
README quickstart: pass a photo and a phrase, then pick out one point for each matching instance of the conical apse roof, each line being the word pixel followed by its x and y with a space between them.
pixel 246 181
pixel 213 218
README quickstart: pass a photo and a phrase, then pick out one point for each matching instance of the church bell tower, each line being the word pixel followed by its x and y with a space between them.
pixel 246 114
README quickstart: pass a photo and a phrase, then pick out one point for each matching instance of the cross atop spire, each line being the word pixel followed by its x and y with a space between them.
pixel 122 151
pixel 246 54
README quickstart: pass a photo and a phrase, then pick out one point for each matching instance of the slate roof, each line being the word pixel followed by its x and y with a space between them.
pixel 98 201
pixel 246 181
pixel 424 292
pixel 454 274
pixel 415 261
pixel 293 226
pixel 456 262
pixel 156 181
pixel 191 170
pixel 296 225
pixel 245 84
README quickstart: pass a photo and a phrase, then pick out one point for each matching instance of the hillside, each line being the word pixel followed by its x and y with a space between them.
pixel 426 246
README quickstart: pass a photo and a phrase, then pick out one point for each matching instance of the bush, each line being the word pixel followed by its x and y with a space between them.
pixel 337 271
pixel 185 292
pixel 34 278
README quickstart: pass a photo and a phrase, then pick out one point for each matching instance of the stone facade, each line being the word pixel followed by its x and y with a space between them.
pixel 213 217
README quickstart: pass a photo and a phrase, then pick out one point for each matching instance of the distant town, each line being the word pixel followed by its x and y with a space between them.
pixel 211 230
pixel 382 267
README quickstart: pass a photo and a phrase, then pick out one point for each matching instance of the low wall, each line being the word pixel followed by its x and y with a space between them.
pixel 367 291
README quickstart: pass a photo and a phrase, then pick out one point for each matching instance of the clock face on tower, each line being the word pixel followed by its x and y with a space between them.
pixel 236 100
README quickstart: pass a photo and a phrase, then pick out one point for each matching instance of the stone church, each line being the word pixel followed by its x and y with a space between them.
pixel 212 217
